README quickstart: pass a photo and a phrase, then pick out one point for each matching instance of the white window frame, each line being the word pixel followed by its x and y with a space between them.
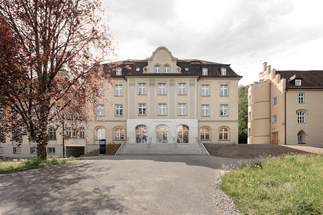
pixel 82 132
pixel 224 110
pixel 182 89
pixel 162 109
pixel 274 118
pixel 298 82
pixel 205 90
pixel 118 71
pixel 223 71
pixel 118 90
pixel 224 90
pixel 162 88
pixel 52 133
pixel 137 69
pixel 301 98
pixel 118 110
pixel 16 150
pixel 181 110
pixel 186 69
pixel 143 108
pixel 99 110
pixel 205 71
pixel 166 69
pixel 69 132
pixel 157 69
pixel 205 110
pixel 142 88
pixel 99 133
pixel 204 133
pixel 119 133
pixel 1 150
pixel 301 117
pixel 275 101
pixel 249 116
pixel 223 132
pixel 51 150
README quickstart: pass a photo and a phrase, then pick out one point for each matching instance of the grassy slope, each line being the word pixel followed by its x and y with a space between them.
pixel 286 185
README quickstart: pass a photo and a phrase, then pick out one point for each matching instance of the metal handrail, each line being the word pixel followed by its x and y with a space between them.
pixel 201 145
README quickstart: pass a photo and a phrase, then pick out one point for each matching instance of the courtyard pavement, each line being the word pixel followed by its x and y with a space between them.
pixel 125 184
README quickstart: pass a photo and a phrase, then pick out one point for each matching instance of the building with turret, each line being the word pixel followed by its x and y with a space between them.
pixel 284 107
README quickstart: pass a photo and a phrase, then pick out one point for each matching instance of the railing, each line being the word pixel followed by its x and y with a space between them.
pixel 201 146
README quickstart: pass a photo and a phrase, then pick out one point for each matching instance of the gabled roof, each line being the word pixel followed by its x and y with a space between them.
pixel 310 78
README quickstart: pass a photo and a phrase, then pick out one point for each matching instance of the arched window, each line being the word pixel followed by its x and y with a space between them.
pixel 51 133
pixel 119 134
pixel 100 134
pixel 223 134
pixel 205 133
pixel 182 134
pixel 166 68
pixel 157 68
pixel 301 137
pixel 141 134
pixel 162 134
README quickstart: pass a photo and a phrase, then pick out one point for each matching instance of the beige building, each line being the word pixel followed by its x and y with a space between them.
pixel 285 107
pixel 161 99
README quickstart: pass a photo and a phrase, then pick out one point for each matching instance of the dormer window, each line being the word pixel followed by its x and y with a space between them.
pixel 157 69
pixel 205 71
pixel 166 69
pixel 298 82
pixel 137 69
pixel 118 71
pixel 223 71
pixel 186 69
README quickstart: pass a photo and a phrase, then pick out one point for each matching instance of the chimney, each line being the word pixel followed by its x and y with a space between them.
pixel 264 66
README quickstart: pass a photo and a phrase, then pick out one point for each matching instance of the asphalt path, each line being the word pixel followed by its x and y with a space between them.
pixel 115 185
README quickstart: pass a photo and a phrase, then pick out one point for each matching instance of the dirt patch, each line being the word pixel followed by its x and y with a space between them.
pixel 111 149
pixel 256 150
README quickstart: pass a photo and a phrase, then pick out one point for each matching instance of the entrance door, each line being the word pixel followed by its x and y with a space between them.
pixel 275 138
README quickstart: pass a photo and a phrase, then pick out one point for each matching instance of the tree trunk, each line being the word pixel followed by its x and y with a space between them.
pixel 42 152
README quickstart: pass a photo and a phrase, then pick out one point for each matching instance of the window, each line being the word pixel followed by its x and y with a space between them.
pixel 99 110
pixel 274 118
pixel 119 134
pixel 74 133
pixel 69 131
pixel 223 134
pixel 224 110
pixel 162 134
pixel 142 88
pixel 17 134
pixel 100 134
pixel 162 89
pixel 118 90
pixel 142 109
pixel 118 71
pixel 17 150
pixel 51 133
pixel 275 100
pixel 298 82
pixel 118 110
pixel 50 150
pixel 249 132
pixel 301 137
pixel 166 69
pixel 182 134
pixel 161 109
pixel 81 135
pixel 205 110
pixel 157 69
pixel 101 90
pixel 2 137
pixel 249 116
pixel 181 109
pixel 224 90
pixel 223 71
pixel 205 71
pixel 186 69
pixel 301 116
pixel 137 69
pixel 205 134
pixel 1 150
pixel 32 149
pixel 182 88
pixel 205 90
pixel 301 98
pixel 141 134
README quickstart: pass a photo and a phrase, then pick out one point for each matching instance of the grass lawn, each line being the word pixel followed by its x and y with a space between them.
pixel 25 164
pixel 285 185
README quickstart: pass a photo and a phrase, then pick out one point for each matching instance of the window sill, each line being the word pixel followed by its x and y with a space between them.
pixel 205 140
pixel 182 114
pixel 224 140
pixel 119 140
pixel 100 115
pixel 182 94
pixel 205 115
pixel 118 95
pixel 301 143
pixel 161 114
pixel 142 94
pixel 205 95
pixel 142 114
pixel 161 94
pixel 224 95
pixel 118 115
pixel 224 115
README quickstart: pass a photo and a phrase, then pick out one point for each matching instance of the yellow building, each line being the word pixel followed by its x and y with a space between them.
pixel 284 107
pixel 160 99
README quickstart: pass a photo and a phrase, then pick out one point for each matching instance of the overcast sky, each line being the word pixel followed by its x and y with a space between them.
pixel 243 33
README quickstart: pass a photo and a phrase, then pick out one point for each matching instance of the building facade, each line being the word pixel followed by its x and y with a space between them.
pixel 161 99
pixel 284 107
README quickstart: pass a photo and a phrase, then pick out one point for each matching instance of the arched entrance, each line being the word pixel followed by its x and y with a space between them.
pixel 141 134
pixel 182 134
pixel 162 134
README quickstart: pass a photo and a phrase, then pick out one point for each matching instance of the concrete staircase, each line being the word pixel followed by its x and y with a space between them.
pixel 162 149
